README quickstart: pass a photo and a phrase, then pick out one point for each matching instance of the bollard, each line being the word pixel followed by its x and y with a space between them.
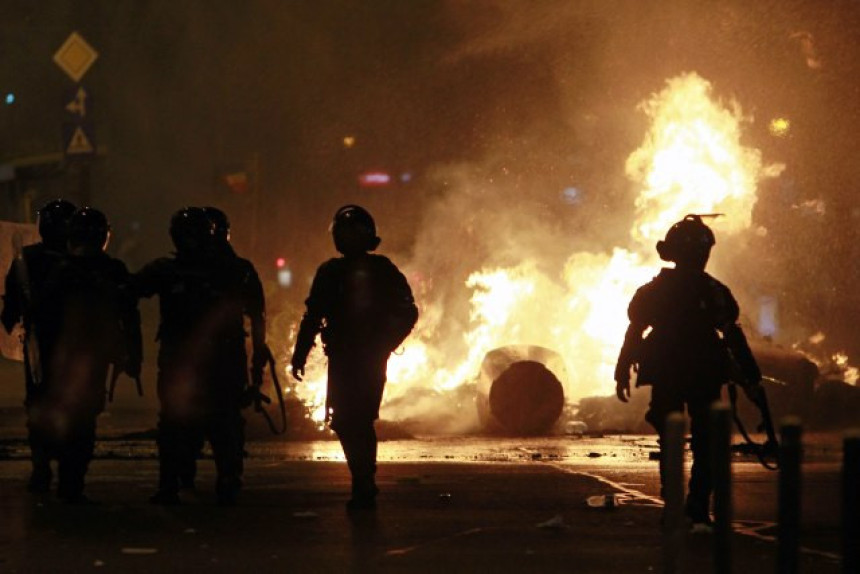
pixel 721 470
pixel 788 527
pixel 672 460
pixel 851 502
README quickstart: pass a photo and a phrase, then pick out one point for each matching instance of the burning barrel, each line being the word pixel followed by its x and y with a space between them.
pixel 518 391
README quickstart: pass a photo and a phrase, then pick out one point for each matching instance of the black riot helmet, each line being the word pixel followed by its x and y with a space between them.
pixel 688 243
pixel 89 230
pixel 220 222
pixel 191 230
pixel 53 222
pixel 354 230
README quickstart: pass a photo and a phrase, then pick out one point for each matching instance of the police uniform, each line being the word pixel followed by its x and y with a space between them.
pixel 88 321
pixel 39 259
pixel 363 307
pixel 202 361
pixel 23 282
pixel 689 321
pixel 683 359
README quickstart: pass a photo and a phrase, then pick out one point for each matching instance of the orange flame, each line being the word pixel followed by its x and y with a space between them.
pixel 690 161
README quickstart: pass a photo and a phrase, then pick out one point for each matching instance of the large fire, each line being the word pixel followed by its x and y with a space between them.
pixel 690 161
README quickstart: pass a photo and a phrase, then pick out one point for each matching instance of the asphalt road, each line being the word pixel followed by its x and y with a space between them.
pixel 447 505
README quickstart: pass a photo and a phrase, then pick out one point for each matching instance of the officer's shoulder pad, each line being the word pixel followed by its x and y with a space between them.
pixel 715 282
pixel 332 263
pixel 381 259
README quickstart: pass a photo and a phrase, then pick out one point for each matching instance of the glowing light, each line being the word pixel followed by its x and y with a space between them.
pixel 285 277
pixel 779 127
pixel 374 179
pixel 348 141
pixel 10 98
pixel 571 196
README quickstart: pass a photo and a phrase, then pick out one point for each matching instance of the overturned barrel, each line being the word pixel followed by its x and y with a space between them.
pixel 518 391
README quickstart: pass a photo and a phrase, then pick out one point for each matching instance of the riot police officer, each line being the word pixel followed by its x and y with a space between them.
pixel 203 371
pixel 692 319
pixel 249 299
pixel 362 306
pixel 24 280
pixel 88 320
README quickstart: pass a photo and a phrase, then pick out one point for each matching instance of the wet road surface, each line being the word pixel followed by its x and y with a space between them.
pixel 460 504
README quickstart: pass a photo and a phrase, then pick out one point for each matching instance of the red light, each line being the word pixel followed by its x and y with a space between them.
pixel 280 262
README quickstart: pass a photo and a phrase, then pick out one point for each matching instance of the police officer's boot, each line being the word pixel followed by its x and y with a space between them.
pixel 697 511
pixel 364 493
pixel 41 475
pixel 227 489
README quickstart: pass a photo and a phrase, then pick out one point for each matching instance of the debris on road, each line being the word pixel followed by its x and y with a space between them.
pixel 554 523
pixel 602 501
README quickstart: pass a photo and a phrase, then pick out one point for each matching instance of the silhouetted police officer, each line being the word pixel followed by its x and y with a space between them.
pixel 242 296
pixel 684 358
pixel 248 299
pixel 203 371
pixel 88 320
pixel 363 307
pixel 24 280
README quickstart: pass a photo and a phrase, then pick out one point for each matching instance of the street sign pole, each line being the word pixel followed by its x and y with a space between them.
pixel 75 57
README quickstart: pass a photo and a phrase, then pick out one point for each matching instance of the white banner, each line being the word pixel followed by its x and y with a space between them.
pixel 10 345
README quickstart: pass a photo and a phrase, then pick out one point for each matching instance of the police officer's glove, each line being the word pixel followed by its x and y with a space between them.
pixel 261 357
pixel 252 395
pixel 622 381
pixel 297 368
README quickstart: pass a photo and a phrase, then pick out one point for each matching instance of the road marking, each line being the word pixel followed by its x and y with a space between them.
pixel 749 528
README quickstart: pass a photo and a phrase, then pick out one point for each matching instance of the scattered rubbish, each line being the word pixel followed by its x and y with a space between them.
pixel 98 563
pixel 140 551
pixel 409 480
pixel 577 428
pixel 602 501
pixel 536 456
pixel 594 455
pixel 190 531
pixel 554 523
pixel 305 514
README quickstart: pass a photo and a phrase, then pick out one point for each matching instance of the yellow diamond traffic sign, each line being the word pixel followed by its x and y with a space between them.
pixel 75 56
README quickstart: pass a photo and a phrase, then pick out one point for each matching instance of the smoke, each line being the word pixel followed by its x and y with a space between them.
pixel 516 119
pixel 568 119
